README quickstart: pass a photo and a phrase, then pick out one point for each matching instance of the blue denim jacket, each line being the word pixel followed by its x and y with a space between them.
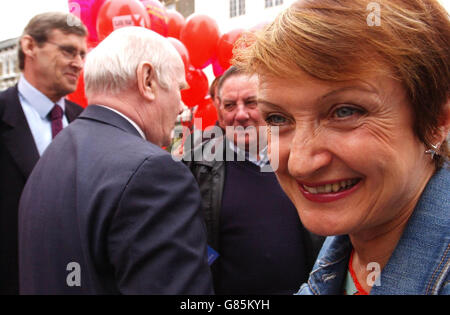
pixel 420 264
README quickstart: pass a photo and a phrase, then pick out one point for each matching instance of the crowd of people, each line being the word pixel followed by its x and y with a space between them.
pixel 326 172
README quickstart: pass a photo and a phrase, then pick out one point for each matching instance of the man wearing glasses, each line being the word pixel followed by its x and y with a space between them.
pixel 51 56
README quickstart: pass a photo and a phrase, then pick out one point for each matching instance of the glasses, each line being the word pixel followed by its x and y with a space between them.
pixel 69 52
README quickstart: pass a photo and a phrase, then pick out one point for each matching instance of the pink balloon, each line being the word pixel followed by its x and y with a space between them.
pixel 158 16
pixel 87 11
pixel 217 68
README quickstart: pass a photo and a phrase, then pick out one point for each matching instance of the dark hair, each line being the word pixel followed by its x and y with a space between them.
pixel 42 24
pixel 213 86
pixel 231 72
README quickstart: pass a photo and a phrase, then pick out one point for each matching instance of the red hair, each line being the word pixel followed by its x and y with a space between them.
pixel 333 40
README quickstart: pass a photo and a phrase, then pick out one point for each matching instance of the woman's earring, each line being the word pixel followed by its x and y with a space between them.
pixel 433 151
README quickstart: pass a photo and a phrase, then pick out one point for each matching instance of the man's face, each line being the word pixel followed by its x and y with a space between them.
pixel 57 64
pixel 238 109
pixel 168 107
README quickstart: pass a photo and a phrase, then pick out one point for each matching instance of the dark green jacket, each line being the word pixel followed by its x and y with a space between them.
pixel 210 175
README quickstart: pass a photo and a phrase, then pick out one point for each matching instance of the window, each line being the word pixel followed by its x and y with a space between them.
pixel 241 7
pixel 233 12
pixel 185 7
pixel 6 64
pixel 270 3
pixel 237 8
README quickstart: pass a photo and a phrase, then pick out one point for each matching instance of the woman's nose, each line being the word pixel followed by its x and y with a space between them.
pixel 308 153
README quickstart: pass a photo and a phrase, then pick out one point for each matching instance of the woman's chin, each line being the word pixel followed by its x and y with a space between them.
pixel 322 226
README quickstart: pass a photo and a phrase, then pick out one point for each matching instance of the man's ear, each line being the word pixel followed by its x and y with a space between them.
pixel 28 44
pixel 146 80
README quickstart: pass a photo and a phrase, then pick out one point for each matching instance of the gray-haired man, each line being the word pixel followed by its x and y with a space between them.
pixel 118 214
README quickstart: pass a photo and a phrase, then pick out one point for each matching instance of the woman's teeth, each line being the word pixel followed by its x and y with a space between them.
pixel 329 188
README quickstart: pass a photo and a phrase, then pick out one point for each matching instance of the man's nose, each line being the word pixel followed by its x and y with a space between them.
pixel 181 108
pixel 241 113
pixel 77 62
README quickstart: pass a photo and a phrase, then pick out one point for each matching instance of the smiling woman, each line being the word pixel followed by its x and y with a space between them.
pixel 363 113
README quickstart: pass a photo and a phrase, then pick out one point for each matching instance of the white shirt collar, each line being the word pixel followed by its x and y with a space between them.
pixel 128 119
pixel 262 155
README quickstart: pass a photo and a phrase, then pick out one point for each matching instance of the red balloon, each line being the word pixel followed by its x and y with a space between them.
pixel 200 36
pixel 175 23
pixel 207 63
pixel 78 96
pixel 225 47
pixel 198 87
pixel 91 44
pixel 179 46
pixel 206 114
pixel 158 16
pixel 115 14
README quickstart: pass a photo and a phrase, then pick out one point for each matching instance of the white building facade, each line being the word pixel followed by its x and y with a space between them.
pixel 9 68
pixel 233 14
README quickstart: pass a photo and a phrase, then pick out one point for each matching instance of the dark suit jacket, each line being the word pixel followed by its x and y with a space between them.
pixel 119 208
pixel 18 155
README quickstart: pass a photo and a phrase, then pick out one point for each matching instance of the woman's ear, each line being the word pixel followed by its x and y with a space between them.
pixel 145 75
pixel 444 123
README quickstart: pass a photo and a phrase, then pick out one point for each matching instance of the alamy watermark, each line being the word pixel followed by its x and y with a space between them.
pixel 251 139
pixel 373 278
pixel 374 17
pixel 74 19
pixel 73 278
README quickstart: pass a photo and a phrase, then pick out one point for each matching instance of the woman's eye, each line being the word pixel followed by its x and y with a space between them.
pixel 275 120
pixel 346 111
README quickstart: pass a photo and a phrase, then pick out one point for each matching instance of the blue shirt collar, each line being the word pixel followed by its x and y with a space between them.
pixel 41 103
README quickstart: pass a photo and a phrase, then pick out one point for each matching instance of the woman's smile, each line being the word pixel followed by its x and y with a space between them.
pixel 329 191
